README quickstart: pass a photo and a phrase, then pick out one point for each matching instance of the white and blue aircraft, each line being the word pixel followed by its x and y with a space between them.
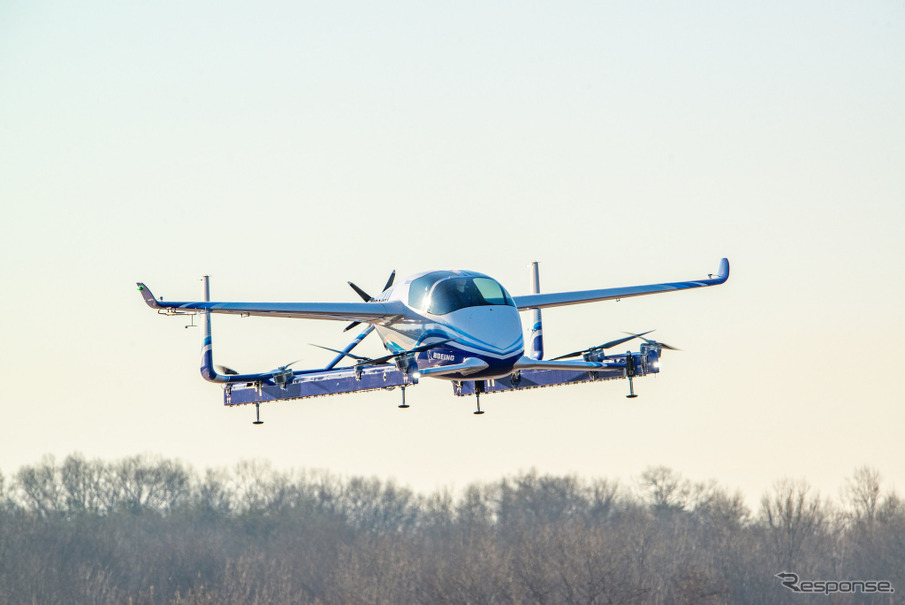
pixel 459 326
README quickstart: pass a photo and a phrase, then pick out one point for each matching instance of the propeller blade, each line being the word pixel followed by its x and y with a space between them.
pixel 662 344
pixel 651 341
pixel 389 281
pixel 606 345
pixel 364 295
pixel 619 341
pixel 352 355
pixel 367 297
pixel 418 349
pixel 567 355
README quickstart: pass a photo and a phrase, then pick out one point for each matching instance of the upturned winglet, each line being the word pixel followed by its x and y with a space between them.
pixel 723 273
pixel 148 296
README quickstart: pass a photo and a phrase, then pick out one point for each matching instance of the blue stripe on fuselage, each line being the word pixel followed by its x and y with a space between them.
pixel 490 333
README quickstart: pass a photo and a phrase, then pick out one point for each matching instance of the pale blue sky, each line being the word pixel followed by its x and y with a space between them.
pixel 285 148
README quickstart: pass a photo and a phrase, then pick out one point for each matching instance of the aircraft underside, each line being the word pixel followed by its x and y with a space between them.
pixel 388 377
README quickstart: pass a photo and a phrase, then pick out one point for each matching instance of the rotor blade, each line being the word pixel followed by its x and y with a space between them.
pixel 662 344
pixel 367 297
pixel 352 355
pixel 619 341
pixel 426 347
pixel 226 371
pixel 655 342
pixel 389 281
pixel 606 345
pixel 567 355
pixel 364 295
pixel 418 349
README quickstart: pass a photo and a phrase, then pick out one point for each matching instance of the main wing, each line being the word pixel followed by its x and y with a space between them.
pixel 367 312
pixel 559 299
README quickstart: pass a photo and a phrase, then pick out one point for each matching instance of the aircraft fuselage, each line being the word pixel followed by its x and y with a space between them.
pixel 469 307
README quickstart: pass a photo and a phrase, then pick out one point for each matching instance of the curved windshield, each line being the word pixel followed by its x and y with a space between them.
pixel 421 288
pixel 454 293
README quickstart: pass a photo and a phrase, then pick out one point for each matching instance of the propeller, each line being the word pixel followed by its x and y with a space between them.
pixel 282 376
pixel 364 295
pixel 367 298
pixel 343 353
pixel 231 372
pixel 650 341
pixel 606 345
pixel 417 349
pixel 379 360
pixel 286 367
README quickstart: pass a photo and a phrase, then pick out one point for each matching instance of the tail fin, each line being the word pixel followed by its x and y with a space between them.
pixel 207 350
pixel 536 337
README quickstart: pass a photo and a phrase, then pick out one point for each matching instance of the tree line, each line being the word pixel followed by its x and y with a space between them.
pixel 149 530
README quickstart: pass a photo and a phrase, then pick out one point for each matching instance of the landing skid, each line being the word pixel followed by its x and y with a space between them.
pixel 631 389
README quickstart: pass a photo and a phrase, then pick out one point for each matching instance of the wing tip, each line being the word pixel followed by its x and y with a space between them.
pixel 723 272
pixel 148 296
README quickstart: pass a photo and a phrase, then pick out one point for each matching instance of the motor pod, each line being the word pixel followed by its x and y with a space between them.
pixel 650 357
pixel 283 378
pixel 408 365
pixel 594 355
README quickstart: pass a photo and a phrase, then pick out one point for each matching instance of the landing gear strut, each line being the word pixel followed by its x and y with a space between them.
pixel 631 389
pixel 478 389
pixel 258 414
pixel 403 405
pixel 629 372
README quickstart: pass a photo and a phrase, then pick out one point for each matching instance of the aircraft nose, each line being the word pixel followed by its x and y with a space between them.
pixel 495 328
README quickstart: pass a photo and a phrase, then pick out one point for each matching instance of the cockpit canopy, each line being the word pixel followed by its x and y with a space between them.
pixel 442 292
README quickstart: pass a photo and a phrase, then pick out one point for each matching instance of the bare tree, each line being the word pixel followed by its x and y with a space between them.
pixel 214 494
pixel 39 484
pixel 792 516
pixel 665 488
pixel 146 483
pixel 150 531
pixel 84 484
pixel 862 493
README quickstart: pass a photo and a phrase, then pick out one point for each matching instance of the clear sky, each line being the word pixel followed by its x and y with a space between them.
pixel 287 147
